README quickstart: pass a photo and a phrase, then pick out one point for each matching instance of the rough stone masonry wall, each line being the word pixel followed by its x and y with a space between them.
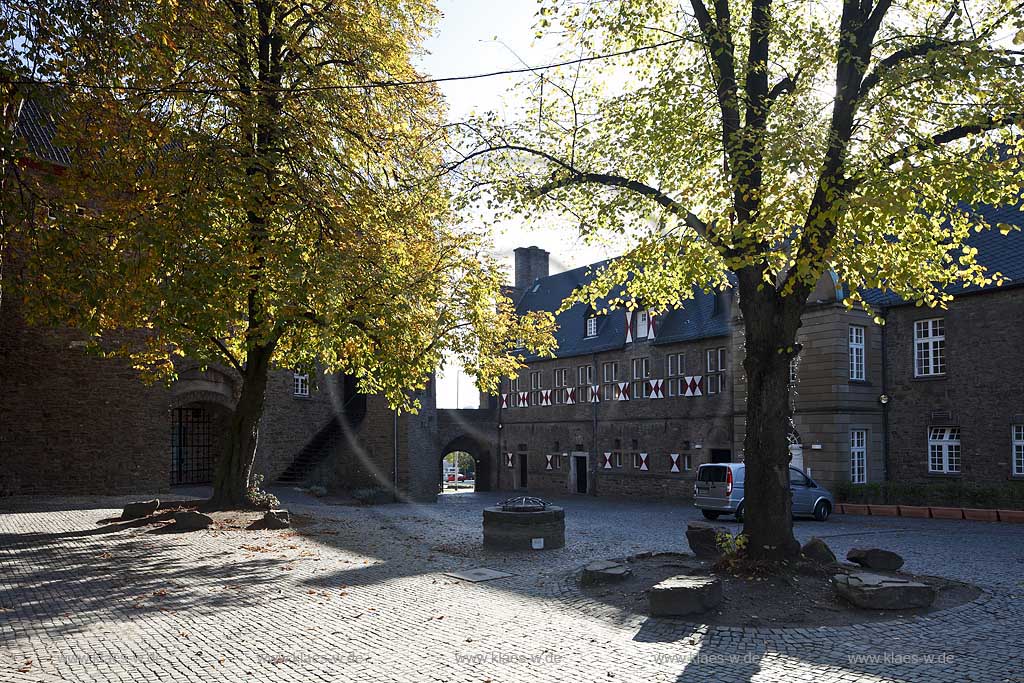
pixel 982 391
pixel 72 422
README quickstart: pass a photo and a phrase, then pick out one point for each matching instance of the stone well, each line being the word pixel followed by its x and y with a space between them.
pixel 524 523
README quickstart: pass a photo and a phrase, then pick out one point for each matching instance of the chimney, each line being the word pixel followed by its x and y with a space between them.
pixel 531 263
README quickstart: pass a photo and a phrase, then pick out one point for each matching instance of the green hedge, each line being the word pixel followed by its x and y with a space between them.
pixel 1008 496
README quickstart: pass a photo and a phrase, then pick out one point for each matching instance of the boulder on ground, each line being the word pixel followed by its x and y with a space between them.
pixel 875 558
pixel 874 591
pixel 276 519
pixel 682 595
pixel 142 508
pixel 703 539
pixel 190 520
pixel 818 552
pixel 604 571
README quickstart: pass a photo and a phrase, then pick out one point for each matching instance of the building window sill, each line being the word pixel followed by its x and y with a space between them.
pixel 861 382
pixel 928 378
pixel 945 475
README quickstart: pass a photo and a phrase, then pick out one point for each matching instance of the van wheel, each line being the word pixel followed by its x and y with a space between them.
pixel 739 513
pixel 822 510
pixel 710 514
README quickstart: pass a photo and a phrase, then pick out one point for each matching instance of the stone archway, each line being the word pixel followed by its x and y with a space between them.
pixel 202 404
pixel 482 457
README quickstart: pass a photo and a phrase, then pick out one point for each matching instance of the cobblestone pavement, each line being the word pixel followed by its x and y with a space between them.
pixel 359 594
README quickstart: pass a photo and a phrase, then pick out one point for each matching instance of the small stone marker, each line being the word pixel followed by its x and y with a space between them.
pixel 190 520
pixel 875 558
pixel 703 539
pixel 478 575
pixel 276 519
pixel 683 595
pixel 142 508
pixel 874 591
pixel 818 552
pixel 604 571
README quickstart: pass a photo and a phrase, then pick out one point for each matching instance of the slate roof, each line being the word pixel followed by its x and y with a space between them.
pixel 700 319
pixel 36 126
pixel 996 251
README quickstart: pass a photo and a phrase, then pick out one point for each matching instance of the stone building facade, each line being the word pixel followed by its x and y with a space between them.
pixel 930 395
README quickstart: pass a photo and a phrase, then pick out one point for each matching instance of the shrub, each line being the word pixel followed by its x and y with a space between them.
pixel 259 498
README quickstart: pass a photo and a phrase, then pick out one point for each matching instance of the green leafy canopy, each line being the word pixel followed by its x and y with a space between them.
pixel 781 140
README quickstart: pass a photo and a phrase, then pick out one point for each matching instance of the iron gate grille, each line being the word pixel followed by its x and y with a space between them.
pixel 192 446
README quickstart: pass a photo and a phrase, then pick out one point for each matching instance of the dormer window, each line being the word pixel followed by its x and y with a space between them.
pixel 592 326
pixel 643 321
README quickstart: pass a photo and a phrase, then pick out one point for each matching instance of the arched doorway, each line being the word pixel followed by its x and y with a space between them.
pixel 473 458
pixel 196 442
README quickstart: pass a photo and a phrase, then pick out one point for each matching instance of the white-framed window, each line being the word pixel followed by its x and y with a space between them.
pixel 929 347
pixel 592 326
pixel 535 386
pixel 513 391
pixel 584 376
pixel 1018 450
pixel 300 384
pixel 556 461
pixel 643 322
pixel 944 450
pixel 641 372
pixel 639 460
pixel 857 371
pixel 687 462
pixel 675 368
pixel 858 456
pixel 609 379
pixel 617 459
pixel 561 384
pixel 716 370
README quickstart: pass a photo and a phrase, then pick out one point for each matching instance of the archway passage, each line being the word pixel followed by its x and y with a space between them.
pixel 480 468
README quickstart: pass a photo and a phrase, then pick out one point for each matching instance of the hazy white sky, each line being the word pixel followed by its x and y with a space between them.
pixel 478 36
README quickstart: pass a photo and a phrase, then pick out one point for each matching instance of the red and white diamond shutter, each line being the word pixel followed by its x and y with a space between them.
pixel 656 388
pixel 623 391
pixel 629 326
pixel 694 385
pixel 508 459
pixel 595 393
pixel 570 396
pixel 524 398
pixel 643 462
pixel 548 465
pixel 650 325
pixel 607 461
pixel 674 457
pixel 545 397
pixel 504 400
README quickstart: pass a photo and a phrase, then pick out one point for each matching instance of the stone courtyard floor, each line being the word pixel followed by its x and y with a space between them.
pixel 359 594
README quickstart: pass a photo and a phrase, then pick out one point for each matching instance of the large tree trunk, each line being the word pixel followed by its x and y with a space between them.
pixel 234 469
pixel 770 345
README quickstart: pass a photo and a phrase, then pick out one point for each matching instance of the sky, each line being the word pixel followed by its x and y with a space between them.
pixel 480 36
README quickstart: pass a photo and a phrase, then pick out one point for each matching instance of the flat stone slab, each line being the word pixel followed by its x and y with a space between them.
pixel 874 591
pixel 138 509
pixel 682 595
pixel 276 519
pixel 875 558
pixel 604 571
pixel 478 575
pixel 190 520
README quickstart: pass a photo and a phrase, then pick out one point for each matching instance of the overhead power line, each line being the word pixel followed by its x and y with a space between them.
pixel 189 87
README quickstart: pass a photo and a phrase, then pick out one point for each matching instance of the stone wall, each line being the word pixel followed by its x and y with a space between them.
pixel 981 391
